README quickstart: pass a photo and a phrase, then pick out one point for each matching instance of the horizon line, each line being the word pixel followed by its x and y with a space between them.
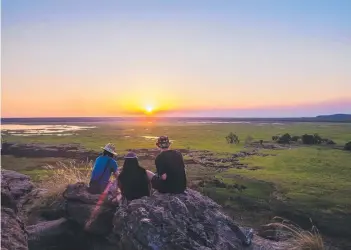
pixel 134 117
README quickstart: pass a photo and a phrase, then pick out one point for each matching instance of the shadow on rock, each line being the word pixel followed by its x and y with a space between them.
pixel 82 207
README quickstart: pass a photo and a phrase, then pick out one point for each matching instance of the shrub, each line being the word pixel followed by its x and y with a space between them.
pixel 348 146
pixel 298 238
pixel 317 139
pixel 328 141
pixel 312 139
pixel 232 138
pixel 284 139
pixel 307 139
pixel 295 138
pixel 275 137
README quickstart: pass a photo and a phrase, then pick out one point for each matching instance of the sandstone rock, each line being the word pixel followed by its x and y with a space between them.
pixel 183 221
pixel 47 229
pixel 13 234
pixel 6 197
pixel 62 234
pixel 82 207
pixel 13 187
pixel 17 184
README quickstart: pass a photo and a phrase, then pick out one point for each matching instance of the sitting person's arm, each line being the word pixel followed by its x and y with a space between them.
pixel 119 183
pixel 160 167
pixel 149 174
pixel 114 169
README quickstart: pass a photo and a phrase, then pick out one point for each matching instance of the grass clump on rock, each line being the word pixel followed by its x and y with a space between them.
pixel 298 238
pixel 49 202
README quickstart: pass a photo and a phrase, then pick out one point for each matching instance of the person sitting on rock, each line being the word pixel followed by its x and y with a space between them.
pixel 170 176
pixel 133 180
pixel 104 166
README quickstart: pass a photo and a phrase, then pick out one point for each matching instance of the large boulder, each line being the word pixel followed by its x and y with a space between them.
pixel 13 187
pixel 18 184
pixel 47 233
pixel 13 233
pixel 183 221
pixel 161 221
pixel 93 212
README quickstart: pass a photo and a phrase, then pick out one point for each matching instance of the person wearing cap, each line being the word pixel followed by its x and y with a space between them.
pixel 170 176
pixel 133 180
pixel 104 166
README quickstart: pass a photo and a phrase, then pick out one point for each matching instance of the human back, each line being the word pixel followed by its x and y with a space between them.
pixel 133 180
pixel 170 163
pixel 104 166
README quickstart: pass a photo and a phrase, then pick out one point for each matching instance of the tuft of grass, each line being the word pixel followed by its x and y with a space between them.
pixel 298 238
pixel 59 176
pixel 63 174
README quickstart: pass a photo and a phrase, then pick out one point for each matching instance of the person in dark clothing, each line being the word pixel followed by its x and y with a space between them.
pixel 170 176
pixel 133 180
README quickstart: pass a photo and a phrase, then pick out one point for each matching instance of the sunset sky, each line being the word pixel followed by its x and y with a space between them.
pixel 177 58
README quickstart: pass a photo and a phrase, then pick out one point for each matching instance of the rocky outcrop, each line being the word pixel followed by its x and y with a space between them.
pixel 162 221
pixel 71 151
pixel 17 184
pixel 13 187
pixel 30 150
pixel 47 233
pixel 92 212
pixel 13 234
pixel 183 221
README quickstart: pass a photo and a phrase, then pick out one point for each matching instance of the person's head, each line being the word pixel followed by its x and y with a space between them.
pixel 109 150
pixel 163 143
pixel 106 153
pixel 130 162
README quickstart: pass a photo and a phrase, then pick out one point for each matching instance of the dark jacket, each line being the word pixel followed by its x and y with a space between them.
pixel 134 184
pixel 170 162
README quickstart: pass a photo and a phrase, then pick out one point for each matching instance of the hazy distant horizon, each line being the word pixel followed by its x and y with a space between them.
pixel 163 117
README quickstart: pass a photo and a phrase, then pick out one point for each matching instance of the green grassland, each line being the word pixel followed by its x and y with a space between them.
pixel 315 179
pixel 193 136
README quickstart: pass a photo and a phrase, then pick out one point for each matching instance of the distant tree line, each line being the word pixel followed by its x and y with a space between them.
pixel 305 139
pixel 286 138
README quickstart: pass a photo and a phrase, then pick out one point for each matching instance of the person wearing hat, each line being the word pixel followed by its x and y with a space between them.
pixel 133 180
pixel 104 166
pixel 170 177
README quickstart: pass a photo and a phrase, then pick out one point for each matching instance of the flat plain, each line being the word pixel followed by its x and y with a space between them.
pixel 300 182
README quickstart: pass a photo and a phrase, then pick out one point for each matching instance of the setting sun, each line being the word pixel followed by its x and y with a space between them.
pixel 149 109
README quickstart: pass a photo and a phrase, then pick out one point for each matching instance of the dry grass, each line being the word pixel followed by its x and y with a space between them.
pixel 60 175
pixel 298 238
pixel 63 174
